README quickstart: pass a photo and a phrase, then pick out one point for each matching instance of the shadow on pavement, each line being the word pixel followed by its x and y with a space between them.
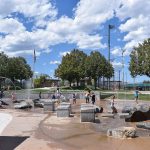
pixel 11 142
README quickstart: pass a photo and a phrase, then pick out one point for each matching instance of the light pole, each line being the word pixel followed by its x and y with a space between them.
pixel 123 67
pixel 109 28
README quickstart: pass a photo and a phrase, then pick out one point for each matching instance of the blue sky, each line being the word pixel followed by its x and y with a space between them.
pixel 55 27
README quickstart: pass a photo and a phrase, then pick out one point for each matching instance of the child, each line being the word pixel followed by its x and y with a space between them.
pixel 87 97
pixel 74 99
pixel 136 95
pixel 40 95
pixel 114 110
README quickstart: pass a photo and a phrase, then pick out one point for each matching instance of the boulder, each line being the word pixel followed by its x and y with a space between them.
pixel 142 107
pixel 109 115
pixel 128 109
pixel 3 103
pixel 136 117
pixel 49 105
pixel 38 103
pixel 63 111
pixel 23 105
pixel 87 113
pixel 144 125
pixel 139 113
pixel 122 132
pixel 123 115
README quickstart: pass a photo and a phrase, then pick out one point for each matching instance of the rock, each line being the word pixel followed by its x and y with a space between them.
pixel 123 115
pixel 128 109
pixel 66 104
pixel 63 111
pixel 36 100
pixel 49 105
pixel 39 104
pixel 144 125
pixel 3 103
pixel 23 105
pixel 142 107
pixel 136 117
pixel 87 113
pixel 108 115
pixel 122 132
pixel 140 113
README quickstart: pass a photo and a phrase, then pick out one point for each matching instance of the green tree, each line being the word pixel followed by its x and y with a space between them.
pixel 95 65
pixel 72 67
pixel 3 65
pixel 19 69
pixel 140 59
pixel 40 82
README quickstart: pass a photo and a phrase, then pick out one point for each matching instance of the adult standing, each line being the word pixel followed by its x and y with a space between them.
pixel 93 98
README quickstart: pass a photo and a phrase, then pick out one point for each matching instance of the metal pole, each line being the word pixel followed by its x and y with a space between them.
pixel 119 79
pixel 109 28
pixel 123 68
pixel 109 43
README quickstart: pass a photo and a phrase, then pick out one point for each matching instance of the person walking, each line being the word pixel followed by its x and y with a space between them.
pixel 74 99
pixel 136 95
pixel 112 104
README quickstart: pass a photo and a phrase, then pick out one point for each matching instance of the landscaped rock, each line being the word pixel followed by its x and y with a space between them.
pixel 23 105
pixel 136 117
pixel 122 132
pixel 66 104
pixel 140 113
pixel 143 107
pixel 49 105
pixel 63 111
pixel 87 113
pixel 38 103
pixel 144 125
pixel 128 109
pixel 123 115
pixel 109 115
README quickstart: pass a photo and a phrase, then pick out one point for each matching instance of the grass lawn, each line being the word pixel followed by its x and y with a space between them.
pixel 131 96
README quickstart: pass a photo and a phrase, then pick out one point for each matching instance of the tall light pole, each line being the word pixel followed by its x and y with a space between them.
pixel 123 50
pixel 109 28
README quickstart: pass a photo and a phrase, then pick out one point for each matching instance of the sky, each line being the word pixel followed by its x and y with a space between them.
pixel 55 27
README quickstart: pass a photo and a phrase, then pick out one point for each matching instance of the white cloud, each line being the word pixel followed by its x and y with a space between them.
pixel 117 65
pixel 137 25
pixel 78 30
pixel 55 62
pixel 81 29
pixel 39 10
pixel 10 25
pixel 117 51
pixel 90 15
pixel 133 8
pixel 64 53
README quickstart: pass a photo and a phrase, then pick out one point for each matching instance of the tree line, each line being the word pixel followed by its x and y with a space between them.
pixel 77 65
pixel 140 59
pixel 14 68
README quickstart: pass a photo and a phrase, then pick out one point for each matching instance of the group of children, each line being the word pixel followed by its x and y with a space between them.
pixel 89 96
